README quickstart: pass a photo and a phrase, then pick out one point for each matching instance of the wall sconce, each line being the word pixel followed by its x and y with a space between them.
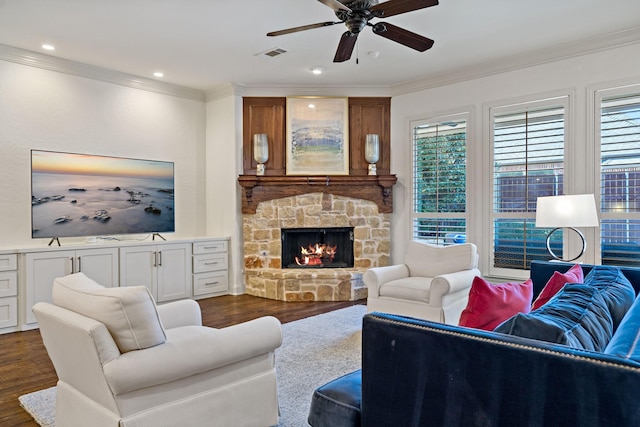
pixel 260 151
pixel 372 152
pixel 571 211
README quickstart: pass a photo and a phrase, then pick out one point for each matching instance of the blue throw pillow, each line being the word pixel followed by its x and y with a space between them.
pixel 615 288
pixel 626 341
pixel 577 316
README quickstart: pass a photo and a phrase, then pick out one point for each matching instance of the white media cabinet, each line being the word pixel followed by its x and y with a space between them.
pixel 176 269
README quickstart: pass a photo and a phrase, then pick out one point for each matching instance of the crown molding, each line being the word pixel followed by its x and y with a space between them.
pixel 353 91
pixel 542 56
pixel 66 66
pixel 224 91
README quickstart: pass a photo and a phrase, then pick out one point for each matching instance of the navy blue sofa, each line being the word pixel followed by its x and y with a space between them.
pixel 420 373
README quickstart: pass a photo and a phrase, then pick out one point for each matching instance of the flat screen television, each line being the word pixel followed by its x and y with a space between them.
pixel 74 195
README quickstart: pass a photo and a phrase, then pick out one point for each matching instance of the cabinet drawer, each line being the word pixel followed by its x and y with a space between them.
pixel 209 262
pixel 8 262
pixel 207 283
pixel 8 312
pixel 210 246
pixel 8 284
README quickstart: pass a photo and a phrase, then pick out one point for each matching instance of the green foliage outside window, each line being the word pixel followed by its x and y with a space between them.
pixel 440 173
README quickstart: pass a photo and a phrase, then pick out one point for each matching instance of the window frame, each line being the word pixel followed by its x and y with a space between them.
pixel 540 102
pixel 600 94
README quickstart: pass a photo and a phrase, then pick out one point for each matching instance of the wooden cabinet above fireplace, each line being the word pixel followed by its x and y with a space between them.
pixel 268 115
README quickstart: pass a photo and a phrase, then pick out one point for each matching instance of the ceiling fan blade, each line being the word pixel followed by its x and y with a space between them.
pixel 402 36
pixel 335 5
pixel 302 28
pixel 396 7
pixel 345 47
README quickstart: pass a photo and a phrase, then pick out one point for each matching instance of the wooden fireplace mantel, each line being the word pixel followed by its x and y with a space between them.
pixel 376 188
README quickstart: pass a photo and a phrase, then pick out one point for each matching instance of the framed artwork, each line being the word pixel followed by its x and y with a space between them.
pixel 317 136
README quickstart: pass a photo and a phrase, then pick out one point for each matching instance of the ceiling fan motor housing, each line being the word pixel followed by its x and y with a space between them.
pixel 358 18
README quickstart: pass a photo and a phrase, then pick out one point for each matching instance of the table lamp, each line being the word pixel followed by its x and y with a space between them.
pixel 567 211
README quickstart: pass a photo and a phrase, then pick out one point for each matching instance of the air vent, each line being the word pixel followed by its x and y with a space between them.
pixel 274 52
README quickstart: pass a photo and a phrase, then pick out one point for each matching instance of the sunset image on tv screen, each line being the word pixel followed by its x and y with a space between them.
pixel 86 195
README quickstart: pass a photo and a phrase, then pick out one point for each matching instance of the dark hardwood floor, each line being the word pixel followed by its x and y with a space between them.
pixel 25 366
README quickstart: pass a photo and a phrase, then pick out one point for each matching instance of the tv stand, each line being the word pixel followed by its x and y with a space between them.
pixel 55 239
pixel 153 237
pixel 173 269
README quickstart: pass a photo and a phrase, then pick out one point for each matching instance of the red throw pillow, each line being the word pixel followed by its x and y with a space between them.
pixel 491 304
pixel 557 282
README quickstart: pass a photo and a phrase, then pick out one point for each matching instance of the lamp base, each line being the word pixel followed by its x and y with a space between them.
pixel 372 169
pixel 584 245
pixel 260 169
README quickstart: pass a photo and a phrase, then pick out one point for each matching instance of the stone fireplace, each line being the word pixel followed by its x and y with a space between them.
pixel 320 214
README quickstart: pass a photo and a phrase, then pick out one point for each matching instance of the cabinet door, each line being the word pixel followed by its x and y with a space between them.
pixel 8 284
pixel 174 272
pixel 138 266
pixel 41 270
pixel 8 312
pixel 100 265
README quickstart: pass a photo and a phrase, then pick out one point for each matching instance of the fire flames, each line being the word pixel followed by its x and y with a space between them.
pixel 316 254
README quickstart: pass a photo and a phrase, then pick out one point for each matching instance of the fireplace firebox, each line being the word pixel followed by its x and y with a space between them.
pixel 326 247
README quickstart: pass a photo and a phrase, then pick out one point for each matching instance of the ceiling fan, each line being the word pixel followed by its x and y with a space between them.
pixel 356 14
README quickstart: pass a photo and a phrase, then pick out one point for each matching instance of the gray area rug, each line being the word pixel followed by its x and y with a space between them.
pixel 314 351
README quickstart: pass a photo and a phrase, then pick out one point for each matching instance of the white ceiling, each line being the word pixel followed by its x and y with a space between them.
pixel 203 44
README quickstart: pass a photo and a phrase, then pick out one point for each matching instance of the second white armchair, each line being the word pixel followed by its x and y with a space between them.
pixel 432 284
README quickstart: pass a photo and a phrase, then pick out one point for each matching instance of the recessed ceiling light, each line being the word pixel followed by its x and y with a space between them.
pixel 48 47
pixel 158 74
pixel 317 70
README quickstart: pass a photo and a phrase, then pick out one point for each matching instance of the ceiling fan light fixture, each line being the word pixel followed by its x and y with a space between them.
pixel 317 70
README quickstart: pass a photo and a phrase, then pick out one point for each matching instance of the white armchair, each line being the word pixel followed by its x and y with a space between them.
pixel 123 362
pixel 432 284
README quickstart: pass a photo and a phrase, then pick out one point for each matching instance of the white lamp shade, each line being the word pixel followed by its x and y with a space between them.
pixel 577 210
pixel 372 148
pixel 260 147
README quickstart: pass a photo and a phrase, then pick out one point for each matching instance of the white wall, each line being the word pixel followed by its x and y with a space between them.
pixel 224 164
pixel 48 110
pixel 574 76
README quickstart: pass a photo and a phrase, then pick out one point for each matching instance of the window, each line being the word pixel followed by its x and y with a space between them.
pixel 440 180
pixel 620 177
pixel 528 162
